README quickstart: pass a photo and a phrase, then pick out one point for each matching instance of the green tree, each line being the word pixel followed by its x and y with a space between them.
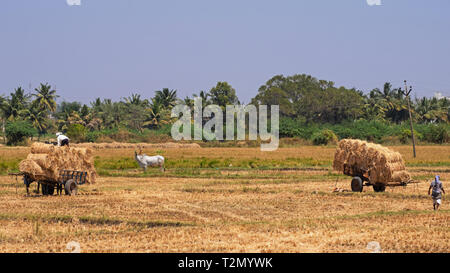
pixel 46 97
pixel 111 113
pixel 37 117
pixel 390 102
pixel 167 98
pixel 18 131
pixel 275 96
pixel 223 94
pixel 432 110
pixel 76 132
pixel 157 115
pixel 135 99
pixel 205 98
pixel 134 109
pixel 15 104
pixel 84 112
pixel 303 96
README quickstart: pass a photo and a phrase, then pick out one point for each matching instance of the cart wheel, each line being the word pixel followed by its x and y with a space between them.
pixel 379 188
pixel 71 187
pixel 357 184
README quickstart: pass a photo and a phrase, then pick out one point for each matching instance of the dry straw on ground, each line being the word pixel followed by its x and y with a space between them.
pixel 120 145
pixel 382 164
pixel 46 161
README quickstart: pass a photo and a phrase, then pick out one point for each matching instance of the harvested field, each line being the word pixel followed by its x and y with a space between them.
pixel 229 209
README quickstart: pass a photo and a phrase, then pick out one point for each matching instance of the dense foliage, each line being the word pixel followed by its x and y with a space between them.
pixel 18 131
pixel 310 109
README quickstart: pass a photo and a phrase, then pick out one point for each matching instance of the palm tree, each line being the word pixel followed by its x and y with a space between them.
pixel 96 105
pixel 431 110
pixel 95 111
pixel 111 113
pixel 445 104
pixel 75 118
pixel 188 102
pixel 37 116
pixel 166 97
pixel 205 98
pixel 18 101
pixel 135 99
pixel 156 114
pixel 45 97
pixel 373 109
pixel 391 102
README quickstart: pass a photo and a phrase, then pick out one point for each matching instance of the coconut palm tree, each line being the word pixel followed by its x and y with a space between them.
pixel 45 97
pixel 166 97
pixel 205 98
pixel 18 101
pixel 431 110
pixel 111 113
pixel 391 102
pixel 135 99
pixel 37 116
pixel 156 114
pixel 188 102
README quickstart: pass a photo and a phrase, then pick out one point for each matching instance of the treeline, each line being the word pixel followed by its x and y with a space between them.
pixel 311 109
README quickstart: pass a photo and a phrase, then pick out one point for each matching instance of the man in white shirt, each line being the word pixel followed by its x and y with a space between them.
pixel 62 139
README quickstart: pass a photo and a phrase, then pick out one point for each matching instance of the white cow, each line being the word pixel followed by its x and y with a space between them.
pixel 145 161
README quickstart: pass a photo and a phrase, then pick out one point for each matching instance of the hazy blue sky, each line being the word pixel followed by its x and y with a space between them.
pixel 111 48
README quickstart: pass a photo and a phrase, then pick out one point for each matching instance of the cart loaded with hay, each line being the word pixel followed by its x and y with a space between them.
pixel 370 165
pixel 57 168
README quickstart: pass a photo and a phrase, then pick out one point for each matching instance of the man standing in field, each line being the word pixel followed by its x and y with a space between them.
pixel 62 139
pixel 436 190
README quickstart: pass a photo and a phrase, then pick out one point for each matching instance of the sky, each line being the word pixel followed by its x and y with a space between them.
pixel 112 48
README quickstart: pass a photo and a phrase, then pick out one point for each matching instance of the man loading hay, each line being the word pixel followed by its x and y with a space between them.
pixel 62 140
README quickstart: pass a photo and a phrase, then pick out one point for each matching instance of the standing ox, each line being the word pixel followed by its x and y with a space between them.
pixel 145 161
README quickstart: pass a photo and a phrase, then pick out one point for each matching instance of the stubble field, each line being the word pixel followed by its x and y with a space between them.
pixel 227 200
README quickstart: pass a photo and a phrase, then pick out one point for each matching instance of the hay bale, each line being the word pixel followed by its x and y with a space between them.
pixel 382 164
pixel 31 167
pixel 46 161
pixel 43 160
pixel 401 176
pixel 41 148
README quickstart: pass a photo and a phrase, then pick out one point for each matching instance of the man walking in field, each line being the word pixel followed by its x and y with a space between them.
pixel 436 189
pixel 62 139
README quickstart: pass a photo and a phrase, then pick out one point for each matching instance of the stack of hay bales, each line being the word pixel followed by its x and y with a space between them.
pixel 382 164
pixel 46 161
